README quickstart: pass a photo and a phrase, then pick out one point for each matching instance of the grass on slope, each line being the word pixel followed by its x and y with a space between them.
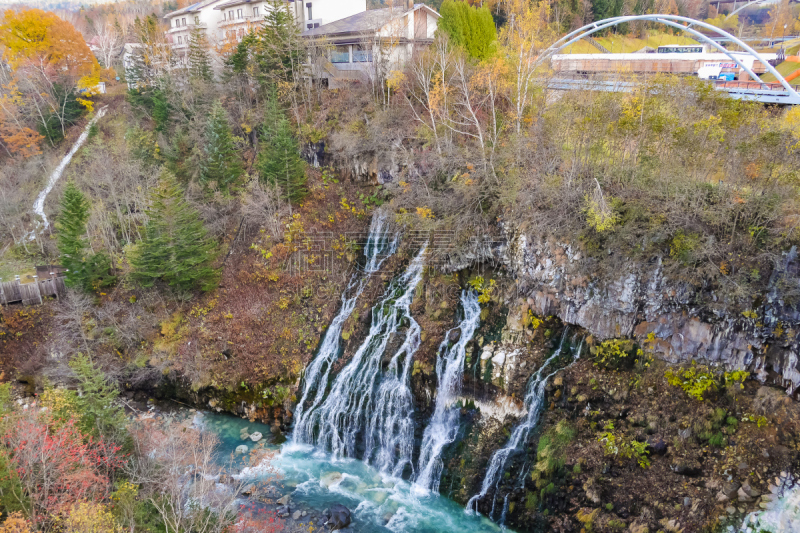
pixel 785 68
pixel 623 44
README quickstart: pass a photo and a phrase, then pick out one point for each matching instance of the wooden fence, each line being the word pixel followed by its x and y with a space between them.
pixel 14 292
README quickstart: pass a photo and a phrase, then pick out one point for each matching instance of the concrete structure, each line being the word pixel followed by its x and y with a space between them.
pixel 705 65
pixel 373 42
pixel 230 19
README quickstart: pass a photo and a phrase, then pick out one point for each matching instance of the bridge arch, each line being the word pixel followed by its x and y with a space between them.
pixel 678 22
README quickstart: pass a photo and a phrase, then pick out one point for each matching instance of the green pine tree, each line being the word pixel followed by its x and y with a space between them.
pixel 239 61
pixel 101 414
pixel 176 248
pixel 279 161
pixel 469 27
pixel 85 270
pixel 279 50
pixel 199 59
pixel 220 162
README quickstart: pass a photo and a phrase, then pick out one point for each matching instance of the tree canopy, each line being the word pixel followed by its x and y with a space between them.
pixel 471 28
pixel 175 248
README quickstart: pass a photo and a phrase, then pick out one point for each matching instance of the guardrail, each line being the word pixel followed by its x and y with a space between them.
pixel 768 93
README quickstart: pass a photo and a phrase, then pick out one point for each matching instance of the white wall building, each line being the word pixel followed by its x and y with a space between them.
pixel 226 19
pixel 368 43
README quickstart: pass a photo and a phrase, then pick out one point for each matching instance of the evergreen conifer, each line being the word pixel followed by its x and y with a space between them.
pixel 100 414
pixel 279 161
pixel 199 60
pixel 85 270
pixel 220 163
pixel 279 49
pixel 175 248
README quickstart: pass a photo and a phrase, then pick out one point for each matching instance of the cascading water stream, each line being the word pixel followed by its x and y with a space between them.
pixel 390 435
pixel 443 426
pixel 534 399
pixel 362 398
pixel 380 245
pixel 38 205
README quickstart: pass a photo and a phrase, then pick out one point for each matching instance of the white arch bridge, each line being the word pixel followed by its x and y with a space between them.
pixel 782 93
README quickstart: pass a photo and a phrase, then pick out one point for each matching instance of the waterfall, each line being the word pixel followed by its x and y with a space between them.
pixel 380 245
pixel 362 398
pixel 443 427
pixel 534 398
pixel 390 435
pixel 504 513
pixel 38 205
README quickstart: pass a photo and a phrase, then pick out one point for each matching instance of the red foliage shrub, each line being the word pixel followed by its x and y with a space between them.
pixel 57 465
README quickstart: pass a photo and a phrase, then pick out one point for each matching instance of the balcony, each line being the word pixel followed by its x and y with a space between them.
pixel 233 22
pixel 188 27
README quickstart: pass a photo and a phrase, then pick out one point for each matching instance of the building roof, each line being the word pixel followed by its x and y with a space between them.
pixel 232 3
pixel 367 21
pixel 193 8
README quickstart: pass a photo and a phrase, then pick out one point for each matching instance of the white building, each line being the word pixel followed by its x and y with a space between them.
pixel 389 36
pixel 227 19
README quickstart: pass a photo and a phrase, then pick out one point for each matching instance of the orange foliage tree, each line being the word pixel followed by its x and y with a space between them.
pixel 45 58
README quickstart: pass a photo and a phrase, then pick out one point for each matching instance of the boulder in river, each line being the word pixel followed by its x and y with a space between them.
pixel 241 449
pixel 338 517
pixel 329 478
pixel 255 437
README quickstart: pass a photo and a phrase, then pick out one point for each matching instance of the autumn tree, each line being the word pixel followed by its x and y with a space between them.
pixel 48 58
pixel 166 452
pixel 109 41
pixel 57 465
pixel 524 37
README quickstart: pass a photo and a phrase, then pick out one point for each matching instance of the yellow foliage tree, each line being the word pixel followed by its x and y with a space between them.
pixel 48 59
pixel 89 517
pixel 527 33
pixel 15 523
pixel 33 35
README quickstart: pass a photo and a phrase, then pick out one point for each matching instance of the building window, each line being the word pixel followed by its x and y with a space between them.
pixel 238 13
pixel 180 41
pixel 255 12
pixel 340 54
pixel 308 5
pixel 230 14
pixel 183 21
pixel 362 54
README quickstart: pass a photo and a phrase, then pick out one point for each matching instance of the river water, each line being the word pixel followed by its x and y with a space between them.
pixel 379 503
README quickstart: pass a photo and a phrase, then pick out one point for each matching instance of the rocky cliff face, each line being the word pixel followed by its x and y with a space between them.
pixel 688 322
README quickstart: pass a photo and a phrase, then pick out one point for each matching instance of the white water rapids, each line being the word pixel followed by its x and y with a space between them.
pixel 443 427
pixel 38 205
